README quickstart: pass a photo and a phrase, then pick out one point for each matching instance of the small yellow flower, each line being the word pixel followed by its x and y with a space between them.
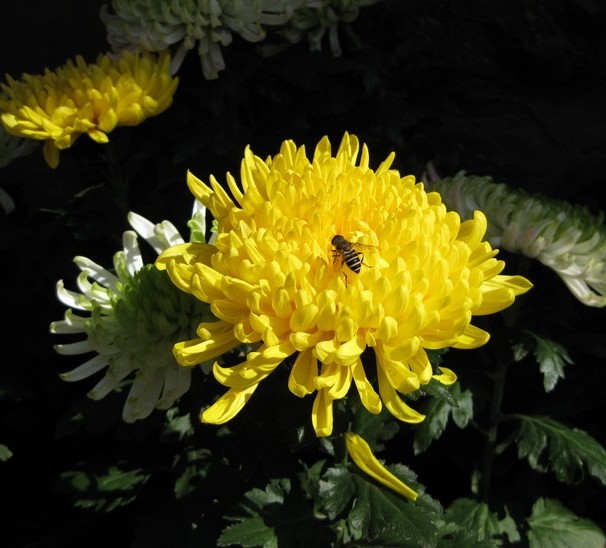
pixel 273 281
pixel 58 107
pixel 361 453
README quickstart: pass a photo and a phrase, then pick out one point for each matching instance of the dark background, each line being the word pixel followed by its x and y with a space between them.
pixel 516 90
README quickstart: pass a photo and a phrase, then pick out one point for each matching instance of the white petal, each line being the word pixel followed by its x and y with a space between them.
pixel 143 397
pixel 168 235
pixel 71 298
pixel 96 272
pixel 86 369
pixel 72 349
pixel 132 253
pixel 103 388
pixel 143 227
pixel 176 382
pixel 70 325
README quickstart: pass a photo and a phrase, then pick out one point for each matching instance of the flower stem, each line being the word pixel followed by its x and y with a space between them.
pixel 490 443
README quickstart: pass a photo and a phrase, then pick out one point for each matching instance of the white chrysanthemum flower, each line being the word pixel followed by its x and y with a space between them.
pixel 314 18
pixel 563 236
pixel 156 25
pixel 136 316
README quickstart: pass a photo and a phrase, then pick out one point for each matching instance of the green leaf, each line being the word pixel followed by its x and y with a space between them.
pixel 336 491
pixel 177 426
pixel 374 428
pixel 103 492
pixel 5 453
pixel 388 519
pixel 193 473
pixel 469 519
pixel 569 450
pixel 249 532
pixel 552 525
pixel 275 516
pixel 438 390
pixel 438 412
pixel 551 357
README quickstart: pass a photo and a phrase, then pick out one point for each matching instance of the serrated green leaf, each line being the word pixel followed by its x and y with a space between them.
pixel 438 412
pixel 552 525
pixel 384 517
pixel 375 429
pixel 5 453
pixel 276 517
pixel 569 450
pixel 336 491
pixel 102 492
pixel 273 493
pixel 176 425
pixel 551 356
pixel 475 519
pixel 438 390
pixel 120 480
pixel 248 533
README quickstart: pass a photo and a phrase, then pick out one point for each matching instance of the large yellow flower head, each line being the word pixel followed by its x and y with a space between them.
pixel 77 98
pixel 273 278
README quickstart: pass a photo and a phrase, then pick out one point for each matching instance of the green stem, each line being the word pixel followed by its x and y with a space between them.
pixel 490 443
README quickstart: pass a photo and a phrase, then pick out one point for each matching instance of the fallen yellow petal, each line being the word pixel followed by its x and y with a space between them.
pixel 362 455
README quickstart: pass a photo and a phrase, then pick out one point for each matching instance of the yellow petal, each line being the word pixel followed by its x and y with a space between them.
pixel 447 377
pixel 361 453
pixel 303 373
pixel 228 405
pixel 321 413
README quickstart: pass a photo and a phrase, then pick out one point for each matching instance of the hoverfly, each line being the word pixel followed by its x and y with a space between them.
pixel 349 253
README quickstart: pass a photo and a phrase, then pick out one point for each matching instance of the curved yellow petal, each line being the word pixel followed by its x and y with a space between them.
pixel 228 405
pixel 361 453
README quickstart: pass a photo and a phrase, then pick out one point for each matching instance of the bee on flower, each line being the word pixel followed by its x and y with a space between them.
pixel 269 279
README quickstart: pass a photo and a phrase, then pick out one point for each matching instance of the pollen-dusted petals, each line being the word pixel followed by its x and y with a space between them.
pixel 361 453
pixel 273 277
pixel 92 99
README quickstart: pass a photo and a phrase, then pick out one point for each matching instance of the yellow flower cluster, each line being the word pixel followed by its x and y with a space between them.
pixel 275 280
pixel 80 98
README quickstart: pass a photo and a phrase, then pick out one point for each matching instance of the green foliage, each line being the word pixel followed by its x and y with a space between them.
pixel 104 491
pixel 470 522
pixel 375 429
pixel 376 514
pixel 568 450
pixel 274 517
pixel 550 355
pixel 459 406
pixel 5 453
pixel 552 525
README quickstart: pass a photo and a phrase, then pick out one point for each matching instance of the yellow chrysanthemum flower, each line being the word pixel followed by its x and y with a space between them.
pixel 272 278
pixel 58 107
